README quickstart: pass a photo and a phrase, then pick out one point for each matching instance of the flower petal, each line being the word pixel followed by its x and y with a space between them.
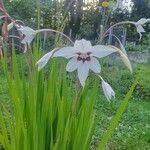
pixel 43 61
pixel 94 65
pixel 72 65
pixel 102 50
pixel 83 70
pixel 140 29
pixel 82 45
pixel 142 21
pixel 28 39
pixel 66 52
pixel 28 32
pixel 107 89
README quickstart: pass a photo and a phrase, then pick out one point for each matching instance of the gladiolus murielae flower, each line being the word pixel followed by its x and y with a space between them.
pixel 82 57
pixel 28 34
pixel 107 89
pixel 139 26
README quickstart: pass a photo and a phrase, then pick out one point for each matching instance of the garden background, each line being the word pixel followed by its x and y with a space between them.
pixel 82 19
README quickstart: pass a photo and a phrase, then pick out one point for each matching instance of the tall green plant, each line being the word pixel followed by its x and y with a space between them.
pixel 45 114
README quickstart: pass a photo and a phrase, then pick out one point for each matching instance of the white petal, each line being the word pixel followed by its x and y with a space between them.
pixel 82 46
pixel 107 89
pixel 66 52
pixel 28 32
pixel 28 39
pixel 142 21
pixel 94 65
pixel 83 70
pixel 43 61
pixel 72 65
pixel 140 29
pixel 102 50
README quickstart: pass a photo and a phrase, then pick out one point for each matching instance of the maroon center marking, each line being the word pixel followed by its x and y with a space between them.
pixel 84 56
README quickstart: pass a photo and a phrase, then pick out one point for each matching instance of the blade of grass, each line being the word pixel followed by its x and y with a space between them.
pixel 116 118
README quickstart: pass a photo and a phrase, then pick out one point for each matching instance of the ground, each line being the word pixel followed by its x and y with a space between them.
pixel 133 131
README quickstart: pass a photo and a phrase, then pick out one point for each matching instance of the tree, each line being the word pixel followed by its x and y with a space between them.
pixel 141 9
pixel 76 12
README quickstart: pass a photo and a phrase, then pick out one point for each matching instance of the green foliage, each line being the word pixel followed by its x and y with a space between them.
pixel 133 131
pixel 143 87
pixel 44 112
pixel 24 10
pixel 79 22
pixel 46 103
pixel 115 120
pixel 132 46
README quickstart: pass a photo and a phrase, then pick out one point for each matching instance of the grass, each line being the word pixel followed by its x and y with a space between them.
pixel 133 130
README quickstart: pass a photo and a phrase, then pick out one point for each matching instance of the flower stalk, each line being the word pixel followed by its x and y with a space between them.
pixel 111 27
pixel 55 31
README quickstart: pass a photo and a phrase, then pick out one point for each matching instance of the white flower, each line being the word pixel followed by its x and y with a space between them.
pixel 107 89
pixel 82 58
pixel 28 34
pixel 139 26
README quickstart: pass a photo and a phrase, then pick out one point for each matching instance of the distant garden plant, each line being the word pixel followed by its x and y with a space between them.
pixel 47 110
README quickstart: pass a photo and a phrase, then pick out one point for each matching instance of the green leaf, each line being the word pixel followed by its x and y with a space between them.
pixel 115 120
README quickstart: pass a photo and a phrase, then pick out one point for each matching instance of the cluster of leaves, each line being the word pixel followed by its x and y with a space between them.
pixel 43 114
pixel 44 111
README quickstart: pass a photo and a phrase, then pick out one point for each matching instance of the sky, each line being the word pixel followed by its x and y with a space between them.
pixel 128 4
